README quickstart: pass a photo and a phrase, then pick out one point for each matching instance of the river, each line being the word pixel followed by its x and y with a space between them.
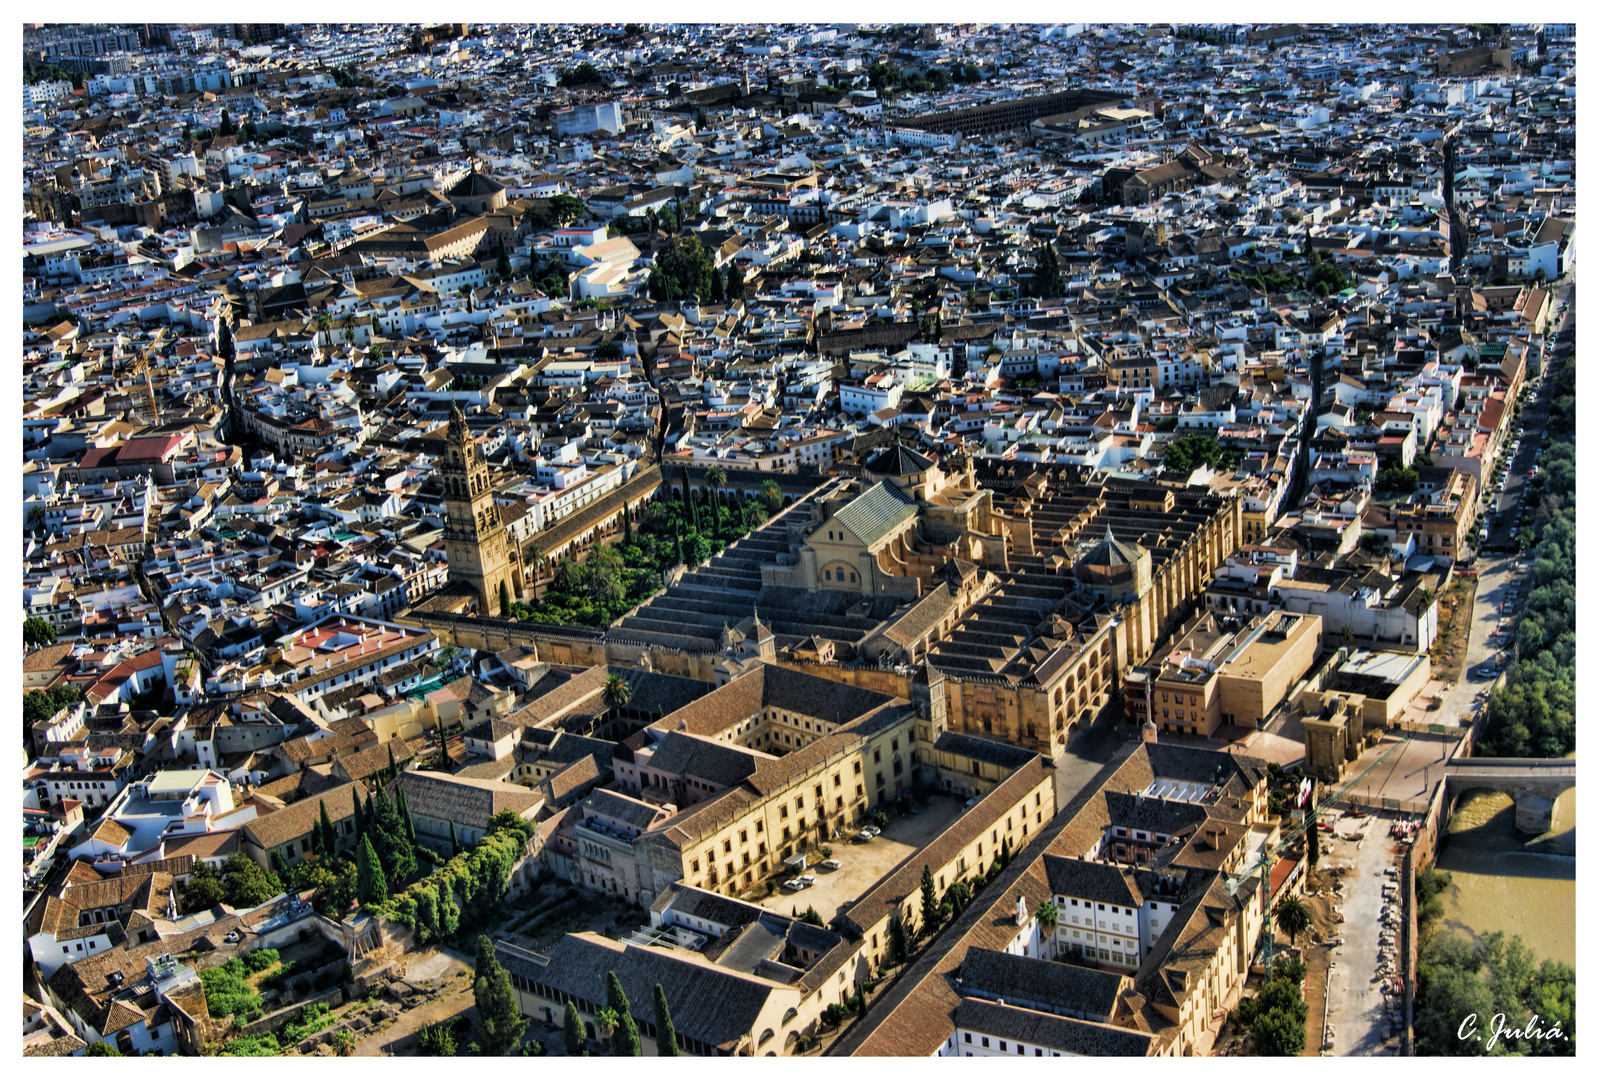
pixel 1503 880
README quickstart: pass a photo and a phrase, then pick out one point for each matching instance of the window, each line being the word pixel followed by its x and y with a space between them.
pixel 799 802
pixel 743 836
pixel 760 827
pixel 877 755
pixel 857 768
pixel 782 812
pixel 837 782
pixel 727 847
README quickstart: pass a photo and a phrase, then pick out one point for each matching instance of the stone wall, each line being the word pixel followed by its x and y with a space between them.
pixel 1420 856
pixel 274 1020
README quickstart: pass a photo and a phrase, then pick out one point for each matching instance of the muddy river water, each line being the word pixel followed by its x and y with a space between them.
pixel 1505 880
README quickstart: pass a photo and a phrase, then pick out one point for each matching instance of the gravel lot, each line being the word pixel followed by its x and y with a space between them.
pixel 866 864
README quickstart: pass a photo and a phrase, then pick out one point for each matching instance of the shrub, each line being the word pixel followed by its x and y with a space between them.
pixel 262 1045
pixel 227 994
pixel 435 1041
pixel 260 960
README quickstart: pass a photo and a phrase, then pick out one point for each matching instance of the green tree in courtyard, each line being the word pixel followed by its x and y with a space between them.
pixel 929 902
pixel 498 1017
pixel 370 885
pixel 665 1033
pixel 572 1031
pixel 624 1039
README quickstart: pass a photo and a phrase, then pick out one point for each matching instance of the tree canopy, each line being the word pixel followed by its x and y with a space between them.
pixel 1456 979
pixel 498 1017
pixel 682 269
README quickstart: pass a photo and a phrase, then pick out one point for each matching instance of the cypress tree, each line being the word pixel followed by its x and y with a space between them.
pixel 505 601
pixel 389 838
pixel 1312 844
pixel 326 838
pixel 393 770
pixel 405 813
pixel 627 526
pixel 624 1040
pixel 929 901
pixel 688 497
pixel 501 1022
pixel 572 1031
pixel 360 814
pixel 898 946
pixel 455 841
pixel 370 886
pixel 665 1033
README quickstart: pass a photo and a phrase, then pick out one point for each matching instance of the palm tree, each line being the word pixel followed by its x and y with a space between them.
pixel 1347 632
pixel 1048 916
pixel 605 1022
pixel 534 556
pixel 773 495
pixel 716 477
pixel 1293 917
pixel 617 693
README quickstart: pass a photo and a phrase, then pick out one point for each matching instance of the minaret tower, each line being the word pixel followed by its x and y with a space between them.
pixel 475 543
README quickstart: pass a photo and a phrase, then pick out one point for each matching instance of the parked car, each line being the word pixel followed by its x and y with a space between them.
pixel 864 836
pixel 872 830
pixel 806 880
pixel 793 885
pixel 832 864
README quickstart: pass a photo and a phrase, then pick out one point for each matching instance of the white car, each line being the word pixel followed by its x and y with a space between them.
pixel 864 836
pixel 831 864
pixel 794 884
pixel 806 880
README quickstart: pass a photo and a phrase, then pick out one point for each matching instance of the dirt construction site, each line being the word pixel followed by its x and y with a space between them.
pixel 1352 986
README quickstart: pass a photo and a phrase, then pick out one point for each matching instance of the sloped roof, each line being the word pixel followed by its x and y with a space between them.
pixel 898 460
pixel 709 1004
pixel 876 512
pixel 1113 552
pixel 473 184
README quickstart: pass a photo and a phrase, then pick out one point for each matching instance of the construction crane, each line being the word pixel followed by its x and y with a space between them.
pixel 140 368
pixel 1268 855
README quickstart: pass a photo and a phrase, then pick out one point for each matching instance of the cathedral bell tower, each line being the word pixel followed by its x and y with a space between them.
pixel 479 552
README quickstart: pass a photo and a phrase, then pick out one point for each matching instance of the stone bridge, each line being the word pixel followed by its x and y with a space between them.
pixel 1534 784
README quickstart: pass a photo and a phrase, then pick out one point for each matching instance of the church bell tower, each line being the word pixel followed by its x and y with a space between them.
pixel 479 552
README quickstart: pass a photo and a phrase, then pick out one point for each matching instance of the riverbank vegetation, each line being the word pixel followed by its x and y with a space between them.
pixel 1534 713
pixel 1462 991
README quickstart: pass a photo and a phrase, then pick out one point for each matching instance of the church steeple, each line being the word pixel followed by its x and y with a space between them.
pixel 475 544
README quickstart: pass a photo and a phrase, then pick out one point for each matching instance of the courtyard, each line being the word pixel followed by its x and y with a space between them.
pixel 865 864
